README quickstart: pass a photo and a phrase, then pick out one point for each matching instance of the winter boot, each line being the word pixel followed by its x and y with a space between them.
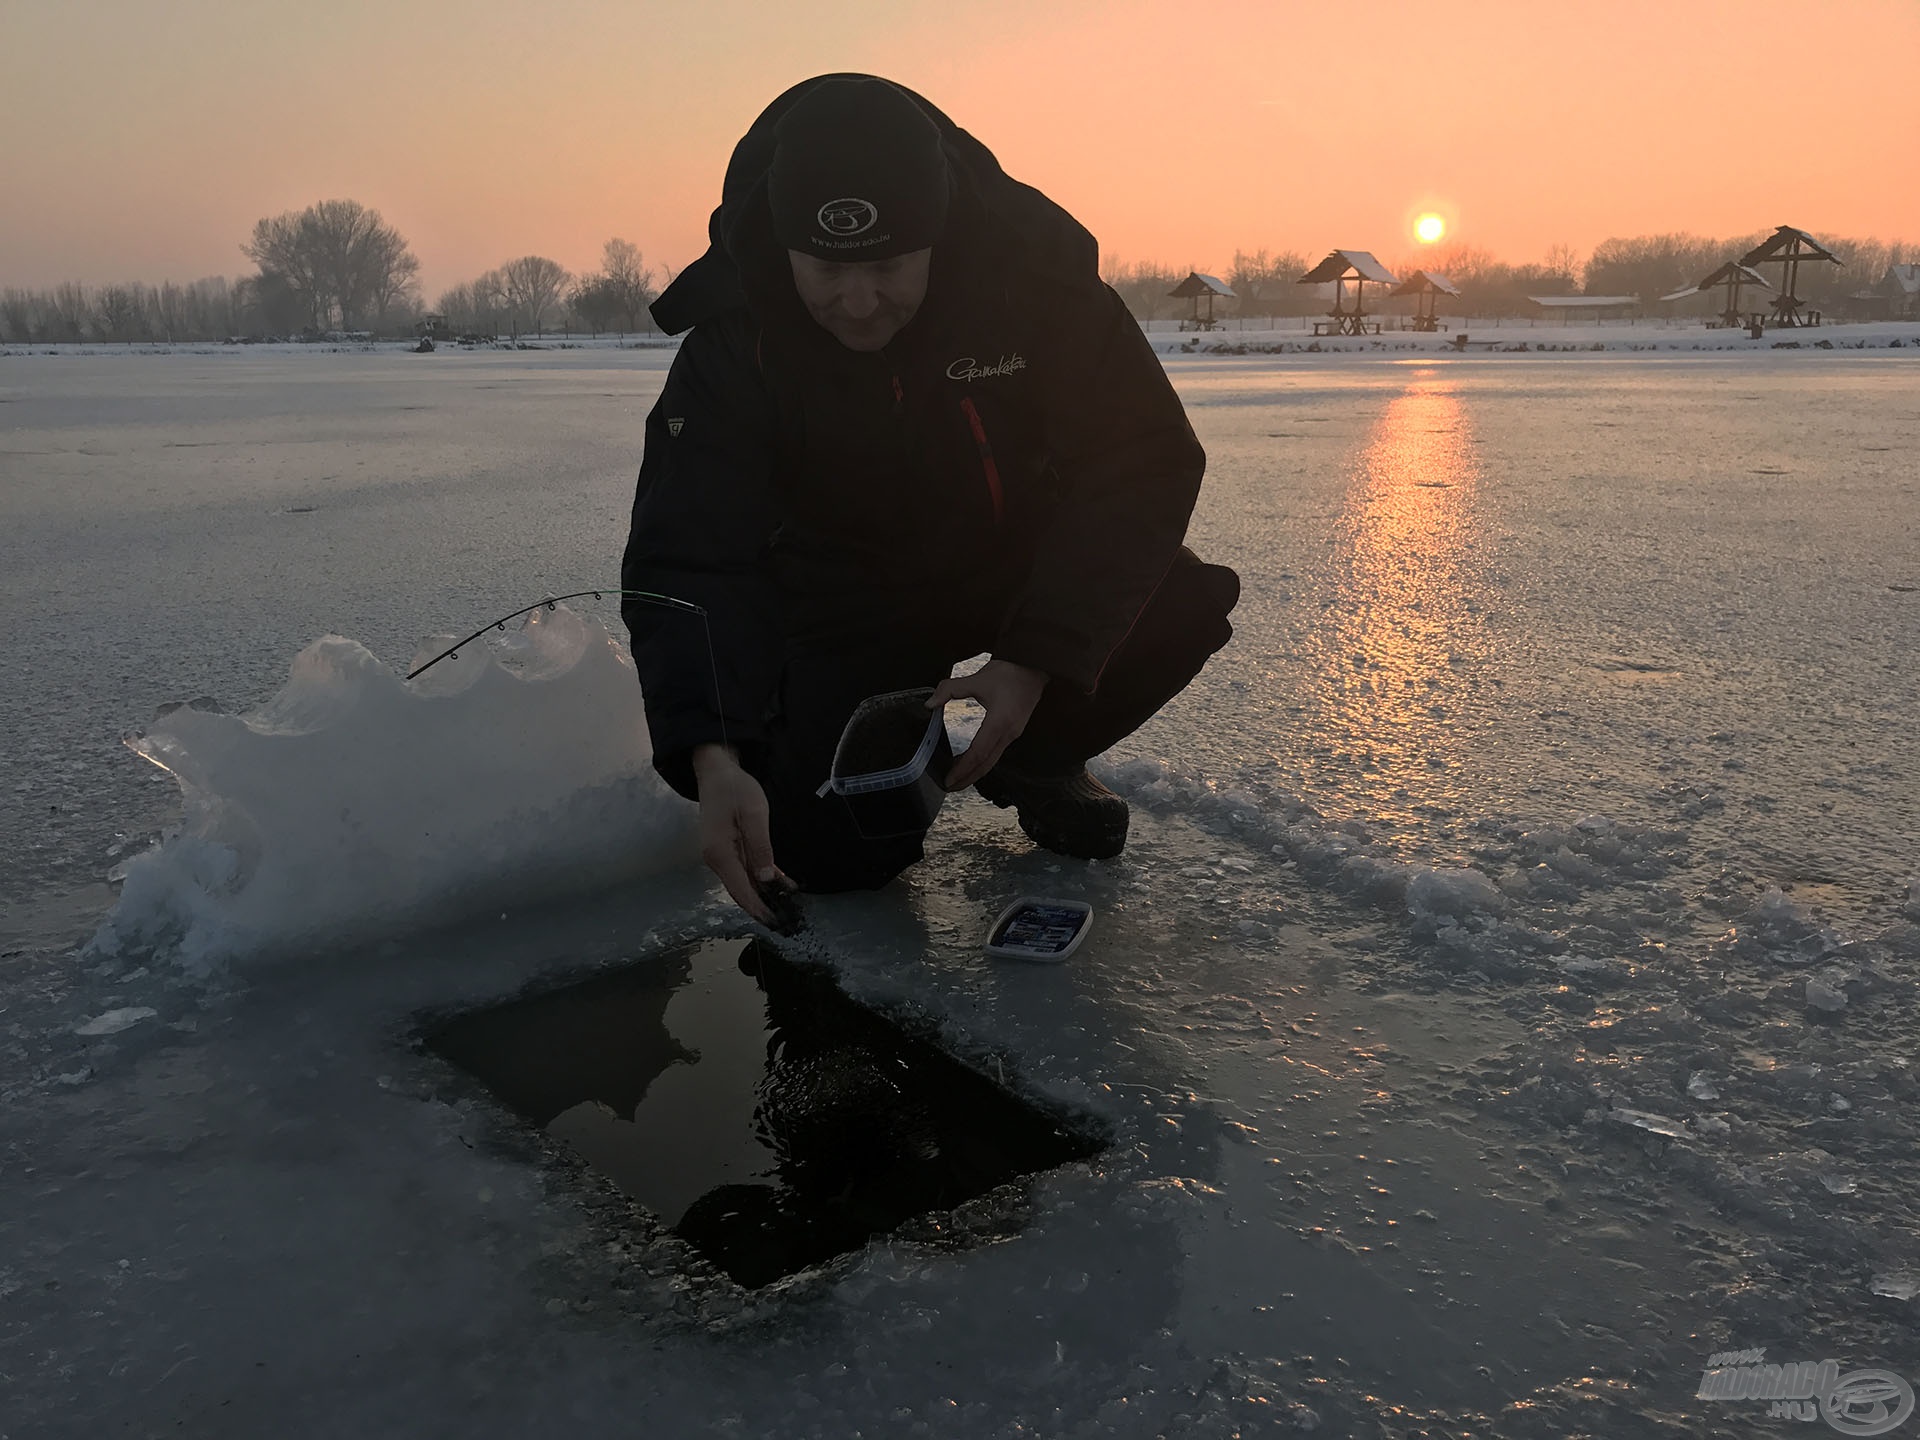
pixel 1068 814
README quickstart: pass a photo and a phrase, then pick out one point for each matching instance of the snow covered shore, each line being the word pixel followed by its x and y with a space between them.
pixel 1503 335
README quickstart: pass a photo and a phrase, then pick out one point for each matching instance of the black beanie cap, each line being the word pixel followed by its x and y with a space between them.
pixel 858 173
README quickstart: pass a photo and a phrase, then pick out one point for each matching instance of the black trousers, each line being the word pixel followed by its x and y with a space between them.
pixel 815 839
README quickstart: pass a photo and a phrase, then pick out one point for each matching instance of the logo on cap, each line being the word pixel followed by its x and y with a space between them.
pixel 848 217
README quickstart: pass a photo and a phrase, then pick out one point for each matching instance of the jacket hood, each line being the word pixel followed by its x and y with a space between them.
pixel 992 220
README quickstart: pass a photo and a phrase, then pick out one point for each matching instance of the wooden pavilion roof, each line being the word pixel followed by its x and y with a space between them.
pixel 1788 243
pixel 1732 270
pixel 1198 284
pixel 1422 282
pixel 1348 265
pixel 1746 273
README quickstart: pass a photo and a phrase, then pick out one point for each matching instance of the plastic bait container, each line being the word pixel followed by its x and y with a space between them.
pixel 1036 928
pixel 890 764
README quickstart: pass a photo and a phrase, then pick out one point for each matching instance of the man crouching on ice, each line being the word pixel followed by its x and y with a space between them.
pixel 910 425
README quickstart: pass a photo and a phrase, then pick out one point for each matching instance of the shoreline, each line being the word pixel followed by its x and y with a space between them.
pixel 1483 337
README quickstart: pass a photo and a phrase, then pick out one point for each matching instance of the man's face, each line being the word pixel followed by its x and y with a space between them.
pixel 862 304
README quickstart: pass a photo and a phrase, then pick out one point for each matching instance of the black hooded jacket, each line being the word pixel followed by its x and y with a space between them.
pixel 1013 471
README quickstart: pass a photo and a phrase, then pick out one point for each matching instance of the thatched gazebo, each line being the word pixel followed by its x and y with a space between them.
pixel 1343 267
pixel 1429 288
pixel 1787 247
pixel 1198 288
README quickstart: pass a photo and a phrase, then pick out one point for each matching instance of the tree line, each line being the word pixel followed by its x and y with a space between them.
pixel 336 268
pixel 524 295
pixel 1648 267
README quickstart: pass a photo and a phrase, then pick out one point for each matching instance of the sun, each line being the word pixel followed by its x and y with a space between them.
pixel 1429 228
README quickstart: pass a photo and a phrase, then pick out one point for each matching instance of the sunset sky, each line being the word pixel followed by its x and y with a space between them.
pixel 142 138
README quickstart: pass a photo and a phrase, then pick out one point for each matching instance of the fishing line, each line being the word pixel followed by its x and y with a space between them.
pixel 668 602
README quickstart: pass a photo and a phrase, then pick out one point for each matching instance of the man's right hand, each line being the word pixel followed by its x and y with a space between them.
pixel 734 840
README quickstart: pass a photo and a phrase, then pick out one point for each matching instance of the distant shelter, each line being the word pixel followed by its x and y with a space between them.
pixel 1901 291
pixel 1787 247
pixel 1732 276
pixel 1201 289
pixel 1342 268
pixel 1575 308
pixel 1428 288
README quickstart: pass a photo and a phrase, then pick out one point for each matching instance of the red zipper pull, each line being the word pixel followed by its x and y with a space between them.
pixel 899 393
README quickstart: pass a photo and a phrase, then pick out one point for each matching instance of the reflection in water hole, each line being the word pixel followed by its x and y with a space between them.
pixel 762 1115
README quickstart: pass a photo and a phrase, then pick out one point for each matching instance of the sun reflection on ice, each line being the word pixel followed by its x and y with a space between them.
pixel 1392 648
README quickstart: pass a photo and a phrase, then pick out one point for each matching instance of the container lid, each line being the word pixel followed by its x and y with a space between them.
pixel 878 725
pixel 1037 928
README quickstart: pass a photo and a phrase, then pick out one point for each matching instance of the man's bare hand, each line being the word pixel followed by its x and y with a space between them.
pixel 1008 692
pixel 734 840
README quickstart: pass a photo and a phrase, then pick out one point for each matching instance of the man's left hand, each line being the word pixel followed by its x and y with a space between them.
pixel 1008 692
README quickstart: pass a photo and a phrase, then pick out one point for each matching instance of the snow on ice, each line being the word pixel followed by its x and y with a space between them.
pixel 355 803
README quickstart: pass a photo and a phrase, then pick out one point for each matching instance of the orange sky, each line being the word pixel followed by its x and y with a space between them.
pixel 142 138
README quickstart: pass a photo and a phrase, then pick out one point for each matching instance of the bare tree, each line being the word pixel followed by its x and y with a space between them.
pixel 1563 260
pixel 117 311
pixel 289 264
pixel 532 285
pixel 19 314
pixel 349 265
pixel 595 303
pixel 1144 285
pixel 1263 283
pixel 629 282
pixel 1650 266
pixel 169 312
pixel 1252 280
pixel 72 310
pixel 480 306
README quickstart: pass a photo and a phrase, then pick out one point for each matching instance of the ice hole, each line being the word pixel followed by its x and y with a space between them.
pixel 762 1115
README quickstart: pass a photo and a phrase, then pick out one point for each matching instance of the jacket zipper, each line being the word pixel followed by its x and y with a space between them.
pixel 986 458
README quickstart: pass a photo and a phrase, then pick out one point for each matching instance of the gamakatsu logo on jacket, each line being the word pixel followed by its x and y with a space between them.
pixel 968 368
pixel 848 216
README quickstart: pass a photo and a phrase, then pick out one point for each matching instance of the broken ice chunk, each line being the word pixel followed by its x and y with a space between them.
pixel 1701 1087
pixel 1647 1120
pixel 1822 996
pixel 1453 893
pixel 114 1021
pixel 1897 1284
pixel 1839 1184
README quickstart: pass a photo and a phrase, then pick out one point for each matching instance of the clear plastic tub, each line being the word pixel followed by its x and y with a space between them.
pixel 890 764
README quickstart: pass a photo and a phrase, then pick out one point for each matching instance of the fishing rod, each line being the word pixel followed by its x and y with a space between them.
pixel 668 602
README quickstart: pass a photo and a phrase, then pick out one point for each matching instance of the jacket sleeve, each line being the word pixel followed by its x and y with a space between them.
pixel 1129 468
pixel 703 512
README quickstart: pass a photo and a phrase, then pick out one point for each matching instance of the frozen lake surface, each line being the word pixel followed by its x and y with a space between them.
pixel 1505 1004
